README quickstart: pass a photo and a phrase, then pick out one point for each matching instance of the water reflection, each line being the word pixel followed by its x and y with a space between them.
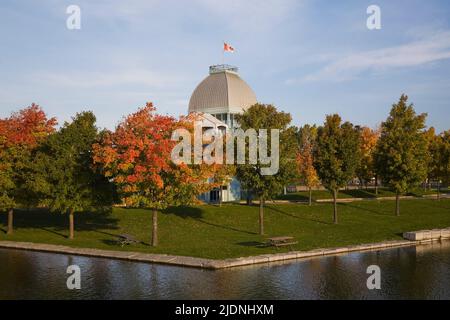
pixel 421 272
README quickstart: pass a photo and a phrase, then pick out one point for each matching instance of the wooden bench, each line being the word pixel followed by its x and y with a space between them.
pixel 126 239
pixel 281 241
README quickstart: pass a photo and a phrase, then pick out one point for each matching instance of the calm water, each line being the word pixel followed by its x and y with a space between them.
pixel 407 273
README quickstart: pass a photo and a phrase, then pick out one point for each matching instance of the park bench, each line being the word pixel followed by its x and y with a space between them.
pixel 281 242
pixel 126 239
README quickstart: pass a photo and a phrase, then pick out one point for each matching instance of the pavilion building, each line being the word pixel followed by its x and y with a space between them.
pixel 216 101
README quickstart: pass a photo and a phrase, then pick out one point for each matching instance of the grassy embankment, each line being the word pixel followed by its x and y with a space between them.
pixel 231 230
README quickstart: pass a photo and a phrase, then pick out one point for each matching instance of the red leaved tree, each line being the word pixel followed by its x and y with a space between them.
pixel 19 135
pixel 137 156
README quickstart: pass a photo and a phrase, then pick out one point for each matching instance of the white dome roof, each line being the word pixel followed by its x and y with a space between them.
pixel 223 91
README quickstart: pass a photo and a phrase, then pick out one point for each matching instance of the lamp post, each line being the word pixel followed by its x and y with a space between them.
pixel 439 190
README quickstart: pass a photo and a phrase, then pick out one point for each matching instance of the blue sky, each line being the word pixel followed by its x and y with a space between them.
pixel 309 58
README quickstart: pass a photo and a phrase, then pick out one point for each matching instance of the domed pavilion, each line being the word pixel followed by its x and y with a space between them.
pixel 222 94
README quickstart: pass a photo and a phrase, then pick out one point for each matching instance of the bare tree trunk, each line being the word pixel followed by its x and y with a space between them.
pixel 10 222
pixel 439 191
pixel 220 195
pixel 376 185
pixel 71 227
pixel 261 215
pixel 310 196
pixel 155 228
pixel 249 198
pixel 335 217
pixel 397 204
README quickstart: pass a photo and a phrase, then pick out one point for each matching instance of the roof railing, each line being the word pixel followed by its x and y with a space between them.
pixel 222 67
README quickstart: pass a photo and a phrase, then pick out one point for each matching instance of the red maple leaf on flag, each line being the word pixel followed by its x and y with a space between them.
pixel 227 47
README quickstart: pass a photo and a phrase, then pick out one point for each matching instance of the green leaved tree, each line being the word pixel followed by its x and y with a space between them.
pixel 336 155
pixel 432 142
pixel 64 177
pixel 263 116
pixel 444 163
pixel 20 134
pixel 439 159
pixel 7 187
pixel 401 154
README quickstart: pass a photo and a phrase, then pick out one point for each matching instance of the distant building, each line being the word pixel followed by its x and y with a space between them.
pixel 216 101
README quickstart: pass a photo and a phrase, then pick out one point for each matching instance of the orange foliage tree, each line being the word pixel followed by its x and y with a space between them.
pixel 19 135
pixel 137 156
pixel 305 158
pixel 366 168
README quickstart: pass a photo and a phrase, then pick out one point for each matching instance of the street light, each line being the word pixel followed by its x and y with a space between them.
pixel 439 189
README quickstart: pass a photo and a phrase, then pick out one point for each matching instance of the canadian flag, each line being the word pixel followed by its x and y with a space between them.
pixel 227 47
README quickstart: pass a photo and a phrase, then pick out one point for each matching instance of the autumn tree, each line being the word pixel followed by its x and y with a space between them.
pixel 19 135
pixel 137 157
pixel 435 159
pixel 401 155
pixel 433 156
pixel 439 159
pixel 336 155
pixel 305 158
pixel 444 163
pixel 368 141
pixel 64 177
pixel 262 116
pixel 7 184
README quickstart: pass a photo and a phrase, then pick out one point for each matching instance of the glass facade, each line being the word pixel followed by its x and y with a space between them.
pixel 227 118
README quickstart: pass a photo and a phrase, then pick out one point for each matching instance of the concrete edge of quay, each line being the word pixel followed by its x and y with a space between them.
pixel 411 239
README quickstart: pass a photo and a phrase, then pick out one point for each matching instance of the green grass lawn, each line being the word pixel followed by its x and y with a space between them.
pixel 231 230
pixel 356 193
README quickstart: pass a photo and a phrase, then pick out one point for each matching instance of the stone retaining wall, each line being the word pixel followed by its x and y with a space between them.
pixel 435 234
pixel 413 238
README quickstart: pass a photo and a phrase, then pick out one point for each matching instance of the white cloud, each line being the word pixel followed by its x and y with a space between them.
pixel 431 49
pixel 237 14
pixel 250 14
pixel 110 9
pixel 108 78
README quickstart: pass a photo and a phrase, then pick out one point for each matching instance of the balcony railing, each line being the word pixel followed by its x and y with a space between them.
pixel 222 67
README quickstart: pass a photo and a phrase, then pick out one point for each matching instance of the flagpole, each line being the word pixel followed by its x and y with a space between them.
pixel 223 52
